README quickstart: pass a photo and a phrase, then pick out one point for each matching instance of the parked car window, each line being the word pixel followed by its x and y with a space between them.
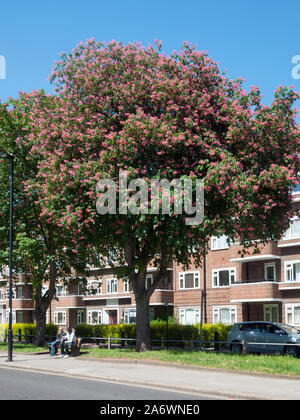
pixel 290 328
pixel 256 327
pixel 272 329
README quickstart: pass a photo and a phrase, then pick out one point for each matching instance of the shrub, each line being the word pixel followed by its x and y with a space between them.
pixel 28 329
pixel 158 331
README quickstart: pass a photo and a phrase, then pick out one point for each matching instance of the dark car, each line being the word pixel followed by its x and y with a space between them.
pixel 264 337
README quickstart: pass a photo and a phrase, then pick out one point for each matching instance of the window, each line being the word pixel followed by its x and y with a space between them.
pixel 126 286
pixel 60 317
pixel 112 258
pixel 13 317
pixel 224 314
pixel 13 293
pixel 292 271
pixel 44 289
pixel 1 296
pixel 19 317
pixel 151 314
pixel 223 277
pixel 271 313
pixel 189 280
pixel 111 286
pixel 221 242
pixel 296 189
pixel 80 316
pixel 270 271
pixel 95 317
pixel 95 288
pixel 189 316
pixel 60 290
pixel 19 291
pixel 80 289
pixel 129 316
pixel 148 281
pixel 292 314
pixel 294 230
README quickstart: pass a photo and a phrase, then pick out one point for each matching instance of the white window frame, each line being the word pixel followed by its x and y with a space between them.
pixel 13 293
pixel 215 273
pixel 56 317
pixel 126 286
pixel 196 280
pixel 1 294
pixel 112 286
pixel 19 317
pixel 268 308
pixel 80 288
pixel 288 271
pixel 98 287
pixel 13 316
pixel 44 289
pixel 99 316
pixel 268 265
pixel 219 242
pixel 182 314
pixel 19 292
pixel 232 314
pixel 63 291
pixel 290 310
pixel 149 281
pixel 80 316
pixel 127 316
pixel 288 234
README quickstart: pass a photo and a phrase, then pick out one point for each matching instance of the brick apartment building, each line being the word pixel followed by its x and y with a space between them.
pixel 257 287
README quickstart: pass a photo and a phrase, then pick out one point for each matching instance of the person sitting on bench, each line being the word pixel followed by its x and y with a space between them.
pixel 54 344
pixel 69 341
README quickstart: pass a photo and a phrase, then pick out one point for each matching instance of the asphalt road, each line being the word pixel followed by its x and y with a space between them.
pixel 25 385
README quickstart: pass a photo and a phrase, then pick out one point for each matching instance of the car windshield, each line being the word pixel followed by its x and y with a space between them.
pixel 289 328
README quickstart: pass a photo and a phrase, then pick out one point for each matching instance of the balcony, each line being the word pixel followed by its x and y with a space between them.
pixel 269 251
pixel 159 296
pixel 22 303
pixel 289 285
pixel 70 300
pixel 255 291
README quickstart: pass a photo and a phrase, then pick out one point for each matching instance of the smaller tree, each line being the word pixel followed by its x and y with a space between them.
pixel 43 251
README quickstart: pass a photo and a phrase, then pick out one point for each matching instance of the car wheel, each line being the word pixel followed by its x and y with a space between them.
pixel 291 351
pixel 236 348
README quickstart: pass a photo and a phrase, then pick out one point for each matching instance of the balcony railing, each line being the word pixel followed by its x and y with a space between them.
pixel 253 281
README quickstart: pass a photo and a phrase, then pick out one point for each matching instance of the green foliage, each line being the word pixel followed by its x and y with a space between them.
pixel 28 329
pixel 158 331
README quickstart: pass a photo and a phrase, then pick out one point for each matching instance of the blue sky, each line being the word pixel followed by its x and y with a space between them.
pixel 254 39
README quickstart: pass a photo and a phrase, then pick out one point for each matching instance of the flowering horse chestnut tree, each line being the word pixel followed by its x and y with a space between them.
pixel 135 110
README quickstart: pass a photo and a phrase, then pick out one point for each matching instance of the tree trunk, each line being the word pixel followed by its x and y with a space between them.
pixel 143 331
pixel 42 304
pixel 40 318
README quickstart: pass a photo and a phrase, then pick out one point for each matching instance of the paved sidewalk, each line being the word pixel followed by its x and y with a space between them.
pixel 198 381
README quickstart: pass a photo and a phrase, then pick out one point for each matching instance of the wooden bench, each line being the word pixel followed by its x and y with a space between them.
pixel 75 350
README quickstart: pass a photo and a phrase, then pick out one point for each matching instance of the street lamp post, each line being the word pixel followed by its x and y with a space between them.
pixel 11 196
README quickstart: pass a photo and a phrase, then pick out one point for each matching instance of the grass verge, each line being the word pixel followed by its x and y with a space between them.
pixel 23 348
pixel 262 364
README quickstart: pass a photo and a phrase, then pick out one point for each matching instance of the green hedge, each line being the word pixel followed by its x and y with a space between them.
pixel 158 331
pixel 26 329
